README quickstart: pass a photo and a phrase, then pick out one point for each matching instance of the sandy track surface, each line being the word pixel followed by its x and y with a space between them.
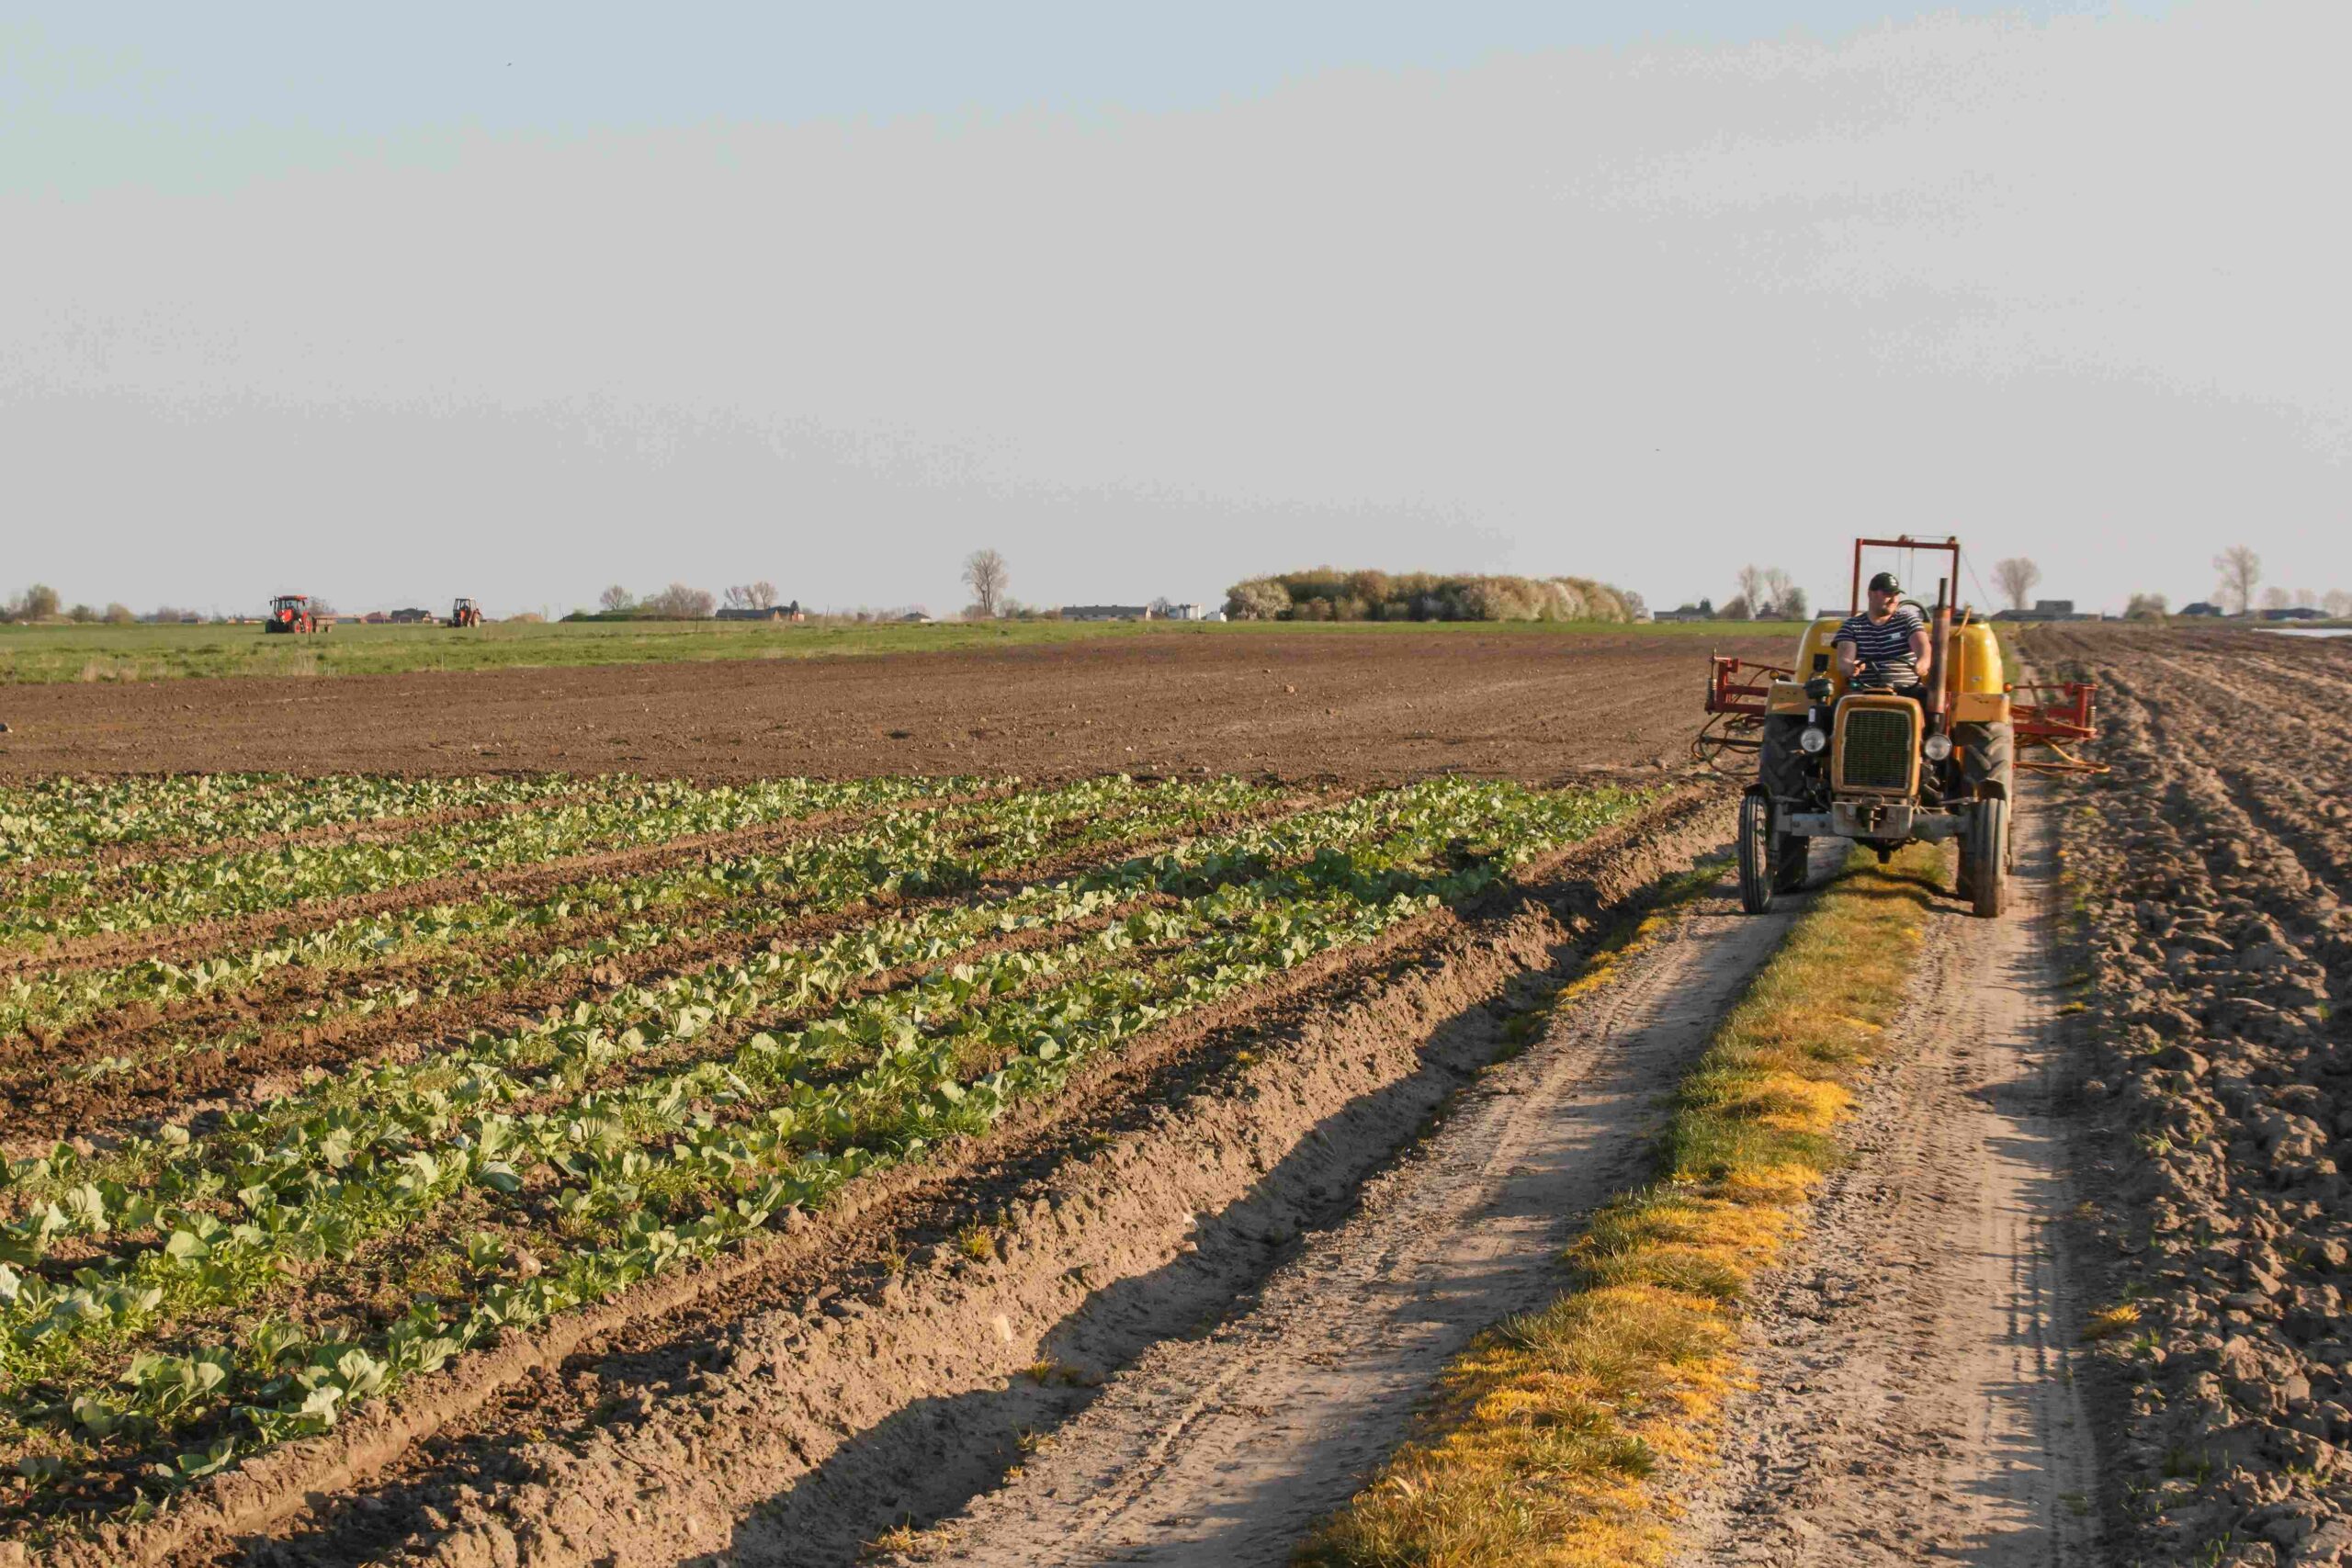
pixel 1916 1398
pixel 1530 703
pixel 1222 1449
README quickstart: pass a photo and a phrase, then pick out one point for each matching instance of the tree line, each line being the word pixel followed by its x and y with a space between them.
pixel 2238 573
pixel 1328 593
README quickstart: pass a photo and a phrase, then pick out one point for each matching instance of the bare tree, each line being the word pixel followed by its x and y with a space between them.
pixel 989 577
pixel 2240 569
pixel 2338 603
pixel 679 603
pixel 119 616
pixel 752 596
pixel 2277 598
pixel 2017 578
pixel 35 604
pixel 2147 607
pixel 1783 600
pixel 617 599
pixel 1752 591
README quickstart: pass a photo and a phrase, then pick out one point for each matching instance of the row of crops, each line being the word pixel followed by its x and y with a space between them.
pixel 738 1029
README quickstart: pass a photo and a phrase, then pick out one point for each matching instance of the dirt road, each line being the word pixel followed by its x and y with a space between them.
pixel 1530 703
pixel 1221 1449
pixel 1917 1398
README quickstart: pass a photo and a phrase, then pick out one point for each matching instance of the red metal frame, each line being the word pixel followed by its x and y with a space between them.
pixel 2054 722
pixel 1727 694
pixel 2052 715
pixel 1950 543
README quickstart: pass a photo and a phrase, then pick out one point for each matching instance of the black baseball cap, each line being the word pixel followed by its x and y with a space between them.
pixel 1884 583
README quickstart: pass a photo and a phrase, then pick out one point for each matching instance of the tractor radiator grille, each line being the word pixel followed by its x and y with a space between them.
pixel 1877 747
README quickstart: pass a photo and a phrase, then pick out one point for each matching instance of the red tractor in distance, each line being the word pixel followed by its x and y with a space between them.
pixel 465 613
pixel 292 613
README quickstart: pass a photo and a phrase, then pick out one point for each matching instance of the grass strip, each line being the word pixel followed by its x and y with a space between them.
pixel 1550 1436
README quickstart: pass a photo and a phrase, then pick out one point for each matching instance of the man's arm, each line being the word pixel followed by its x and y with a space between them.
pixel 1922 649
pixel 1843 646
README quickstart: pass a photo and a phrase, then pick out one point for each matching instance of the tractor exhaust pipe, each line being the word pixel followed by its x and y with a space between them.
pixel 1940 653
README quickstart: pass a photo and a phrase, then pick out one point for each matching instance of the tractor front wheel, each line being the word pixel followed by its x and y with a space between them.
pixel 1781 771
pixel 1984 858
pixel 1756 880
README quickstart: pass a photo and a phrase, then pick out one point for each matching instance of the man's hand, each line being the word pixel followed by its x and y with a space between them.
pixel 1923 650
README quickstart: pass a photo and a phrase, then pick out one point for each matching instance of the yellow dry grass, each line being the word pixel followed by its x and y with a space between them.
pixel 1553 1438
pixel 2110 1322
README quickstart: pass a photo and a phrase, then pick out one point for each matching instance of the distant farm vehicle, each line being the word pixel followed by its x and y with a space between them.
pixel 1859 761
pixel 465 613
pixel 292 613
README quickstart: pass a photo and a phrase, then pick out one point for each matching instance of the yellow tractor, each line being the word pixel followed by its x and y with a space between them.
pixel 465 613
pixel 1841 757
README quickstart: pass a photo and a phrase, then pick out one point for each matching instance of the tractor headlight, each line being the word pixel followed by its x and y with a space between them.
pixel 1937 747
pixel 1815 738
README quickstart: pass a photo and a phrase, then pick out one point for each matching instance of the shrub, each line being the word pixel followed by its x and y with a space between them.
pixel 1259 598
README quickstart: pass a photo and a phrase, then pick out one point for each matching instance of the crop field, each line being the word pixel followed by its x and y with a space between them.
pixel 317 1088
pixel 1148 1098
pixel 108 654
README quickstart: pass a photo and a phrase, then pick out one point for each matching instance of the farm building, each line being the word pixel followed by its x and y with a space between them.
pixel 1158 610
pixel 2048 610
pixel 791 611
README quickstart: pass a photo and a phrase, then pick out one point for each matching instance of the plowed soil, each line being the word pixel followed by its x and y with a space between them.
pixel 2211 868
pixel 1355 704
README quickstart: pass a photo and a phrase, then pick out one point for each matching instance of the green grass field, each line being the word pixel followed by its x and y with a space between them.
pixel 40 654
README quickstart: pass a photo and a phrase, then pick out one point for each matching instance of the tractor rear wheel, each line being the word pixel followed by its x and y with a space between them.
pixel 1780 769
pixel 1987 759
pixel 1985 857
pixel 1756 888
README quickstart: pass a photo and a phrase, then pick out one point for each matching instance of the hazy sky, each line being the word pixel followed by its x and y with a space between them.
pixel 522 301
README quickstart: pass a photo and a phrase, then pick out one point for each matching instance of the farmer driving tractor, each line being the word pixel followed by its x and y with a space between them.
pixel 1886 647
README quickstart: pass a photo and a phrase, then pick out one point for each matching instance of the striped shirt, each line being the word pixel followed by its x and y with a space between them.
pixel 1885 644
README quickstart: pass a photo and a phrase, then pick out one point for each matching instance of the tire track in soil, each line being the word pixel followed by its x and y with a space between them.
pixel 1916 1362
pixel 648 1431
pixel 1223 1449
